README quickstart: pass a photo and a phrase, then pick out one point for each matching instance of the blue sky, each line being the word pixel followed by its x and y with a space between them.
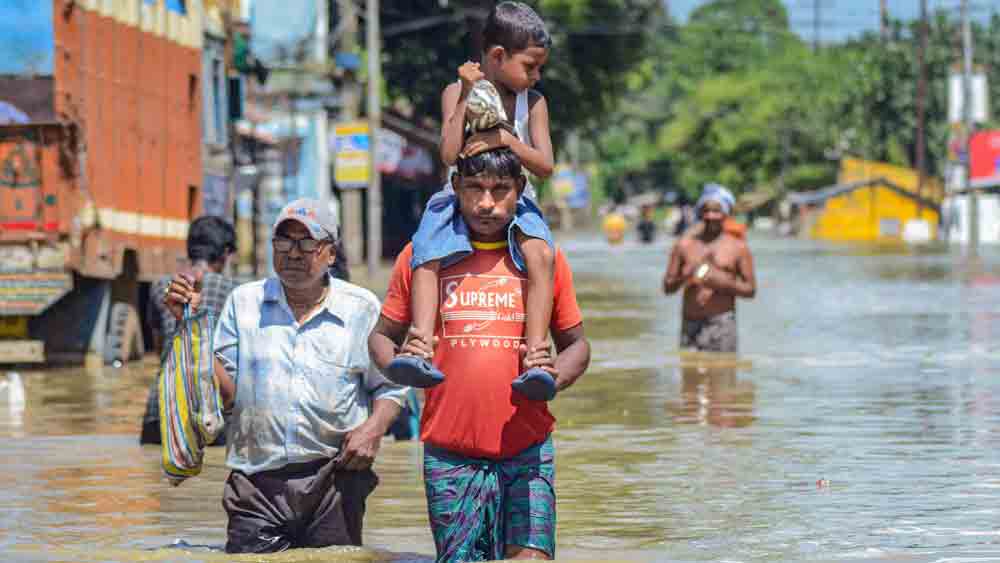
pixel 26 36
pixel 26 25
pixel 840 19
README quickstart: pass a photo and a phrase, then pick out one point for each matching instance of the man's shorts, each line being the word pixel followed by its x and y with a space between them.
pixel 714 334
pixel 479 507
pixel 309 504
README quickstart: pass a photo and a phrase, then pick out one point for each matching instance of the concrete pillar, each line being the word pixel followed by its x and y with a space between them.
pixel 351 209
pixel 270 200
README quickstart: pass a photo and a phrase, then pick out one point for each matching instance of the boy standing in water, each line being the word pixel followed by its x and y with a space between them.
pixel 516 46
pixel 715 268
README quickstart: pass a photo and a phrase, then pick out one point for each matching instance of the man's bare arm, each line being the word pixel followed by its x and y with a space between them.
pixel 573 355
pixel 747 272
pixel 674 278
pixel 385 340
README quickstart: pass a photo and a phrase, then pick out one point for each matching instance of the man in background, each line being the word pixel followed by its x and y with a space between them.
pixel 715 268
pixel 211 243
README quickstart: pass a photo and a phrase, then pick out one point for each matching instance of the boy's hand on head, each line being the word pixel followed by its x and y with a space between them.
pixel 469 73
pixel 484 141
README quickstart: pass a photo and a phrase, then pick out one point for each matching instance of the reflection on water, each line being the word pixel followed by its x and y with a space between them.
pixel 872 371
pixel 715 395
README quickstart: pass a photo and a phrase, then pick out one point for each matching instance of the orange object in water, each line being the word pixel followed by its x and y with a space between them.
pixel 614 226
pixel 735 228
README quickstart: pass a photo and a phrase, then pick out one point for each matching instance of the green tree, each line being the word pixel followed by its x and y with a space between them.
pixel 596 43
pixel 733 35
pixel 750 129
pixel 742 101
pixel 880 109
pixel 721 47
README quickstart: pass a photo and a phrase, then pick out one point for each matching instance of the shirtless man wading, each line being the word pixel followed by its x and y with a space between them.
pixel 714 268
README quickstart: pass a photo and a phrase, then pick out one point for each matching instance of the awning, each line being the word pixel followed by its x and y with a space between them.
pixel 752 200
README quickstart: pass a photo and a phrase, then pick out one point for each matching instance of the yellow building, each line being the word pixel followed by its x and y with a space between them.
pixel 872 202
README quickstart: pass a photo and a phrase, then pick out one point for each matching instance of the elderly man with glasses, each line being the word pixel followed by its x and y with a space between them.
pixel 309 408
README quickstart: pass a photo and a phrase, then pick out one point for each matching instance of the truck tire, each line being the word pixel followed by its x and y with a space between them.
pixel 124 339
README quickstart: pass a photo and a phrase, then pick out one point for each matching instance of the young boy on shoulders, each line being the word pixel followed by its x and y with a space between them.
pixel 516 46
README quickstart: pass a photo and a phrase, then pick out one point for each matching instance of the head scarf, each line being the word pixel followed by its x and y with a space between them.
pixel 719 194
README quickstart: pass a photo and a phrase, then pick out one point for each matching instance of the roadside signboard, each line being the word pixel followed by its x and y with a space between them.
pixel 352 153
pixel 984 148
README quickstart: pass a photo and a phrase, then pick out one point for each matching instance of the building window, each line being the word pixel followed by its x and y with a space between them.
pixel 215 106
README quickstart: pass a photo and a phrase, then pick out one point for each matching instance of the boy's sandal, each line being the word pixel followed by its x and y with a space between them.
pixel 536 384
pixel 413 372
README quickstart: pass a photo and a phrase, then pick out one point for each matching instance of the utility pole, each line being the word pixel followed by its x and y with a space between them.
pixel 351 209
pixel 373 44
pixel 816 14
pixel 883 11
pixel 967 122
pixel 784 132
pixel 921 103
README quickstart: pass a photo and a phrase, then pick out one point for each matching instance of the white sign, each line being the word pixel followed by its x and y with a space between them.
pixel 390 151
pixel 955 99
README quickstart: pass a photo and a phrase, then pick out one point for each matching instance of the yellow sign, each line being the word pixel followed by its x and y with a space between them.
pixel 13 327
pixel 562 181
pixel 352 150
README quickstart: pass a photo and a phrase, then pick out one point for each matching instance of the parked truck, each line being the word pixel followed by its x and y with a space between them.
pixel 100 171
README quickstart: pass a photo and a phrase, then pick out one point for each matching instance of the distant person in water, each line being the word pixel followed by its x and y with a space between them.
pixel 730 225
pixel 714 267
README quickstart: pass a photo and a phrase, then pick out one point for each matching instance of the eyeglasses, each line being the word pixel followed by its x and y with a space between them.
pixel 306 245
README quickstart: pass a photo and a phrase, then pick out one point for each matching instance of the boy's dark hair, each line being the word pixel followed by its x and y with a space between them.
pixel 515 27
pixel 210 238
pixel 497 163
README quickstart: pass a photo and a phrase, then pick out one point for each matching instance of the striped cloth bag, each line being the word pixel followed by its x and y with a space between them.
pixel 190 404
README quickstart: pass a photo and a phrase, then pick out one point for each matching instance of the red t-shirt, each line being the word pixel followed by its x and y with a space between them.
pixel 480 327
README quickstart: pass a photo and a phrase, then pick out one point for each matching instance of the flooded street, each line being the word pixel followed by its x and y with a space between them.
pixel 861 421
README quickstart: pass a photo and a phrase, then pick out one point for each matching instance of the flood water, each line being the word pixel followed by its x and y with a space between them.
pixel 861 422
